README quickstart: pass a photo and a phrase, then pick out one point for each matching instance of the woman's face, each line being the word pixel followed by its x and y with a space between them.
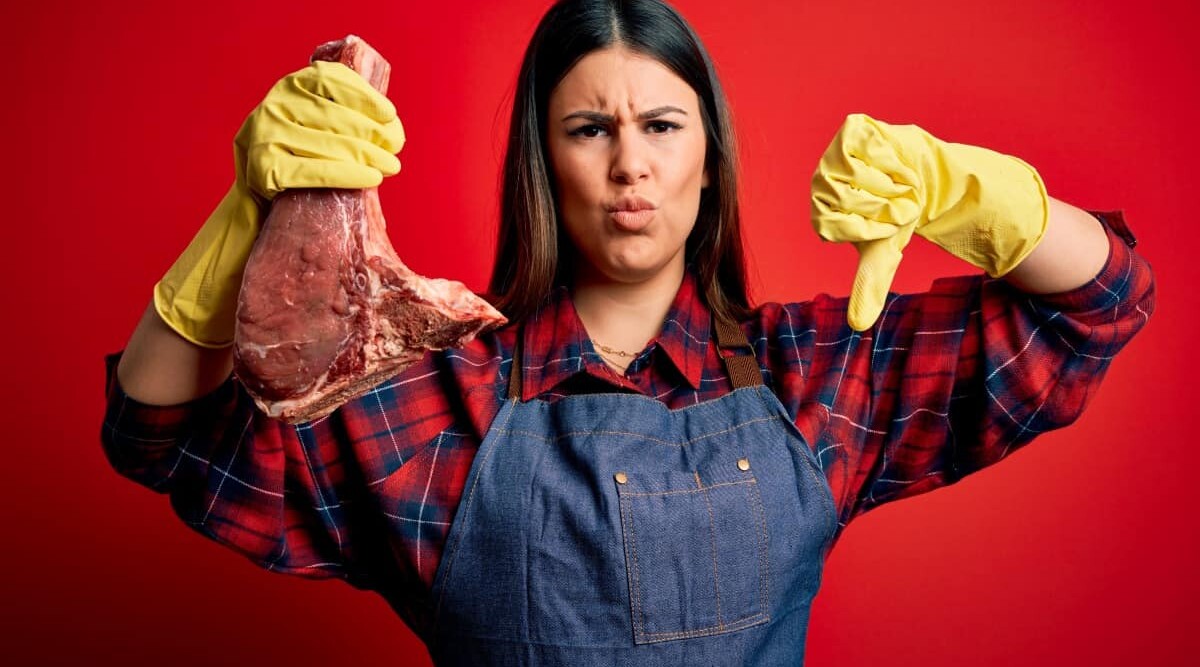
pixel 623 128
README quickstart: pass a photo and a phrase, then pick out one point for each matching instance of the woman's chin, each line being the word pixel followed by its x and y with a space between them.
pixel 633 268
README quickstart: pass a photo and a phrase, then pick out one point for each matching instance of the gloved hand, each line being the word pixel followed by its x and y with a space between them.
pixel 321 127
pixel 878 184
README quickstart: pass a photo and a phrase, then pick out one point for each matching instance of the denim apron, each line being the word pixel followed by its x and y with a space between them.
pixel 607 529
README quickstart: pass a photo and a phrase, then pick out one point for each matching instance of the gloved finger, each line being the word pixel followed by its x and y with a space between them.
pixel 877 264
pixel 391 136
pixel 337 82
pixel 878 146
pixel 875 143
pixel 317 113
pixel 852 199
pixel 305 142
pixel 843 212
pixel 862 154
pixel 841 226
pixel 304 172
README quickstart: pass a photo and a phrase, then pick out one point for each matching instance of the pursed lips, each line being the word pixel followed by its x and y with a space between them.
pixel 631 213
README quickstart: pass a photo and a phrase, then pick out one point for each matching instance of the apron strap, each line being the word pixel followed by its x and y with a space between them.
pixel 514 374
pixel 732 345
pixel 738 355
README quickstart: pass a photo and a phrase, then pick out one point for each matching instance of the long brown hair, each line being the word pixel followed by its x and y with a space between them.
pixel 530 247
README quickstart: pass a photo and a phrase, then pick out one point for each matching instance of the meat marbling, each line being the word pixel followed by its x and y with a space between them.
pixel 327 310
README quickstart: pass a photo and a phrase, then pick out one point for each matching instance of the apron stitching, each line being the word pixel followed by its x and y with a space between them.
pixel 764 562
pixel 728 430
pixel 744 622
pixel 681 491
pixel 637 612
pixel 712 531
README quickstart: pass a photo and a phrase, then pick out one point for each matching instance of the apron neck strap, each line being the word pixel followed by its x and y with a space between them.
pixel 738 355
pixel 732 345
pixel 514 373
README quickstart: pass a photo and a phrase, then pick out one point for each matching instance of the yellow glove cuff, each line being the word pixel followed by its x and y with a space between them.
pixel 198 295
pixel 985 207
pixel 993 214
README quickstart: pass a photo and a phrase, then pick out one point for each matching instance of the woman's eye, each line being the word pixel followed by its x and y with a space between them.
pixel 586 131
pixel 654 127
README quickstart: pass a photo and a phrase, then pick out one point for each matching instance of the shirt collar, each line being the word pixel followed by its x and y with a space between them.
pixel 556 346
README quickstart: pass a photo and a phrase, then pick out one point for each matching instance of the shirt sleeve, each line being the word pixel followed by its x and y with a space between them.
pixel 955 379
pixel 293 499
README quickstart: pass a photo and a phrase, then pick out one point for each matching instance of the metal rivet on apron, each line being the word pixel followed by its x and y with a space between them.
pixel 621 478
pixel 743 464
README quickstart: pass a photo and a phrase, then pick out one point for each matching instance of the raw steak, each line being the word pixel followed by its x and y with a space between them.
pixel 327 310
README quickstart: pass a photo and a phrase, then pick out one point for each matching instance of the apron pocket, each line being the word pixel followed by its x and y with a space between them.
pixel 695 552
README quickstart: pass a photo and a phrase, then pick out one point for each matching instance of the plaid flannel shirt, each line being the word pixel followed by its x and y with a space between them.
pixel 945 383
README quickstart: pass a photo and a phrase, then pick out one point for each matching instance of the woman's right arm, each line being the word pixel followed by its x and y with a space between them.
pixel 291 499
pixel 176 421
pixel 160 367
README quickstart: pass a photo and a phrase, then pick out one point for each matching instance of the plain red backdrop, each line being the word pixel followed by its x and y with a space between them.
pixel 1080 549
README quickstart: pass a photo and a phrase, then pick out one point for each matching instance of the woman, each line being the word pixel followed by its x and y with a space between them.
pixel 641 468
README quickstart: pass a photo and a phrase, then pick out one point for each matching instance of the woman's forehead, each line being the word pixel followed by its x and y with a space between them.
pixel 620 82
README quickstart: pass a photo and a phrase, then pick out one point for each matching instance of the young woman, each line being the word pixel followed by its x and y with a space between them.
pixel 642 467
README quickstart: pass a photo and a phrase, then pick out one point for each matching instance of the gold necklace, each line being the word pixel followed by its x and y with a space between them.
pixel 605 348
pixel 620 366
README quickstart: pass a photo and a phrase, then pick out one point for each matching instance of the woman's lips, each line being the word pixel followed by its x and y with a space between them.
pixel 632 221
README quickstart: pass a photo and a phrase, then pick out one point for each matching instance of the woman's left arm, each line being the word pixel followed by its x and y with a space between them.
pixel 878 184
pixel 1070 254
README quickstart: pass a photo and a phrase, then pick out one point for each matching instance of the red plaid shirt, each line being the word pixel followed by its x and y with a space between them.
pixel 947 382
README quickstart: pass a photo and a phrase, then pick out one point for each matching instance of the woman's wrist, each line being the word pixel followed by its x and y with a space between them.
pixel 1071 253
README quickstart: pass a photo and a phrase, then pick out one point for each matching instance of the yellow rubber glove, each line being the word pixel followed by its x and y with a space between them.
pixel 321 127
pixel 878 184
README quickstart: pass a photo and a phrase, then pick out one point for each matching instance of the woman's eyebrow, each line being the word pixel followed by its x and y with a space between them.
pixel 598 117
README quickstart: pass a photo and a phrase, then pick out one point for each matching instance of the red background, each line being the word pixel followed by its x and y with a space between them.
pixel 1078 550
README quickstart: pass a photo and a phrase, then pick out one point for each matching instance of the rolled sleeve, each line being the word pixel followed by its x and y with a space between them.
pixel 1123 272
pixel 242 479
pixel 138 438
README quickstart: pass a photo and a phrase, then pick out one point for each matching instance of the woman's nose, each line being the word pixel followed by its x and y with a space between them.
pixel 630 163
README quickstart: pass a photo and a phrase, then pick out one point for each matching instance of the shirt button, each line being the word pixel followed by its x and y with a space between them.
pixel 743 464
pixel 621 478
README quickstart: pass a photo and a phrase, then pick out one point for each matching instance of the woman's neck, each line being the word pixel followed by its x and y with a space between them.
pixel 626 316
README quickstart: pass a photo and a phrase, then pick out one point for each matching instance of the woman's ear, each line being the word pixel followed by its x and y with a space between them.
pixel 704 180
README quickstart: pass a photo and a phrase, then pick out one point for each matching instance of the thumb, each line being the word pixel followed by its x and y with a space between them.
pixel 877 264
